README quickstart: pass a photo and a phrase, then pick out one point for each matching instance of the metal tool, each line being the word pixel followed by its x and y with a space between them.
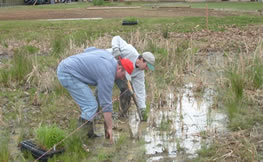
pixel 134 99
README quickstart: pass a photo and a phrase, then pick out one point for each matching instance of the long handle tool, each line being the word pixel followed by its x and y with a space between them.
pixel 134 99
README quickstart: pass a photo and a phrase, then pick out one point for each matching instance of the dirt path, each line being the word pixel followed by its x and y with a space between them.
pixel 25 14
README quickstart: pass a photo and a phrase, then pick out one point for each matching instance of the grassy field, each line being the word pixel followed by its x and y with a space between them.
pixel 230 5
pixel 31 95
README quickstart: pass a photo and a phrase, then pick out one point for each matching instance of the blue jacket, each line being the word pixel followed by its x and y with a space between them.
pixel 94 67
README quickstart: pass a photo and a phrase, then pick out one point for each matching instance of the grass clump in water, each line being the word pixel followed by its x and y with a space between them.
pixel 48 136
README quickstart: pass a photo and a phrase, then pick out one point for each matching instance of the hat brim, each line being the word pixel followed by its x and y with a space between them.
pixel 150 66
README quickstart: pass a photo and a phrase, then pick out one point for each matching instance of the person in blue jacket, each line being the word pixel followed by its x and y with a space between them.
pixel 93 67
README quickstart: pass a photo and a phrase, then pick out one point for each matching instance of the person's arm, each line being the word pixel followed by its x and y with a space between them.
pixel 121 48
pixel 108 126
pixel 138 84
pixel 105 86
pixel 117 45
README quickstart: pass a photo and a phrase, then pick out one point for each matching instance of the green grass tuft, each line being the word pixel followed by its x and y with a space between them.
pixel 98 2
pixel 4 153
pixel 59 45
pixel 48 136
pixel 257 72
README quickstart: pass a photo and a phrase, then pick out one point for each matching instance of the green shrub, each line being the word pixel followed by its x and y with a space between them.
pixel 48 136
pixel 98 2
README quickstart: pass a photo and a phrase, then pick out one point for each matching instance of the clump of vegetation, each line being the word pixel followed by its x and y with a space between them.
pixel 165 32
pixel 121 140
pixel 4 153
pixel 206 152
pixel 235 93
pixel 165 124
pixel 98 2
pixel 244 114
pixel 59 45
pixel 48 136
pixel 104 156
pixel 257 73
pixel 21 66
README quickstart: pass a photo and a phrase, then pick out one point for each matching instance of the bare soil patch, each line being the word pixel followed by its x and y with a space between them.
pixel 22 14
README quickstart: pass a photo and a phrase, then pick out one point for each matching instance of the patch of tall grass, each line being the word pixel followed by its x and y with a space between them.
pixel 4 153
pixel 243 75
pixel 121 140
pixel 48 136
pixel 74 149
pixel 4 76
pixel 206 152
pixel 59 45
pixel 80 37
pixel 98 2
pixel 104 156
pixel 21 65
pixel 257 73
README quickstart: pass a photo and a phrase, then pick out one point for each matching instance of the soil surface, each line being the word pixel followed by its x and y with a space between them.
pixel 9 14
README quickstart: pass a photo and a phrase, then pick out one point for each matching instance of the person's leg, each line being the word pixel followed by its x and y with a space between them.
pixel 83 96
pixel 125 96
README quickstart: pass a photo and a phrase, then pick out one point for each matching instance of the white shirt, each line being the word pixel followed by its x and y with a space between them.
pixel 137 76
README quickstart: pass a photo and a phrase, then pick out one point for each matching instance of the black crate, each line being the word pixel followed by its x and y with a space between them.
pixel 127 22
pixel 37 152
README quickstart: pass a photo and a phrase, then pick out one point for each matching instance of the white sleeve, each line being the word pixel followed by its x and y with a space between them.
pixel 118 42
pixel 139 89
pixel 126 50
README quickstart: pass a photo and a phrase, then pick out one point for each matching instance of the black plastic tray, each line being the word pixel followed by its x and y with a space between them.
pixel 37 152
pixel 124 22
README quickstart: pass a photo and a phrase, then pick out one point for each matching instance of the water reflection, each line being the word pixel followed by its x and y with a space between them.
pixel 177 125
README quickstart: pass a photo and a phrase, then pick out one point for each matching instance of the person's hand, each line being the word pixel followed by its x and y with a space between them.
pixel 108 133
pixel 108 126
pixel 116 52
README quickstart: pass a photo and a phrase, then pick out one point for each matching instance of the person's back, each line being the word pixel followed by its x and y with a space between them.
pixel 83 66
pixel 95 67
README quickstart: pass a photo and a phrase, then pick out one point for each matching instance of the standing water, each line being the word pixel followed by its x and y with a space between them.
pixel 175 126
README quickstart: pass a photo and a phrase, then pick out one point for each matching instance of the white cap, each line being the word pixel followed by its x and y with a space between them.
pixel 150 59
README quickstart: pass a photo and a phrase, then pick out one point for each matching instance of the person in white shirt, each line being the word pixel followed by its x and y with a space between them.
pixel 145 61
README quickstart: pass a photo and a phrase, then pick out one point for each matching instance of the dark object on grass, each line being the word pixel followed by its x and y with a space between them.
pixel 129 22
pixel 37 152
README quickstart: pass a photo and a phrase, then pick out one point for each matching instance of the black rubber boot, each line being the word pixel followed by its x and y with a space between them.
pixel 87 128
pixel 125 97
pixel 125 102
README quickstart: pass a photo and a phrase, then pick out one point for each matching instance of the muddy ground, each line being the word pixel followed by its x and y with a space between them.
pixel 9 14
pixel 216 43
